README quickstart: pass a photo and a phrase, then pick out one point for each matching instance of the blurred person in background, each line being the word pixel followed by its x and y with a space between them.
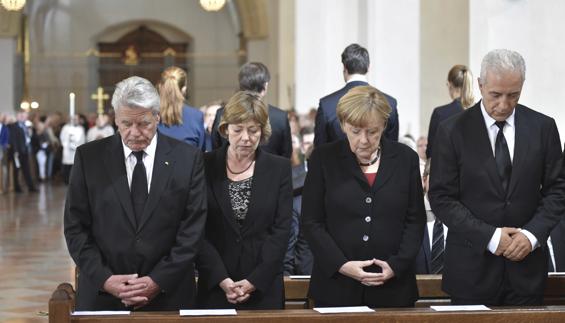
pixel 179 120
pixel 72 136
pixel 460 87
pixel 20 150
pixel 210 111
pixel 102 129
pixel 4 141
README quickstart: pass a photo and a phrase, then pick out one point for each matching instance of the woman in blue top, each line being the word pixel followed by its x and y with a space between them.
pixel 179 120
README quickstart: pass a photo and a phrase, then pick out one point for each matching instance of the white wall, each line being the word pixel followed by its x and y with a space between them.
pixel 8 60
pixel 388 29
pixel 444 32
pixel 394 45
pixel 535 30
pixel 321 34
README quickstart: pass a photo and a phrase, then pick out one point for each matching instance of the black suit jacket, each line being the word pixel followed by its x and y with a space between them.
pixel 328 129
pixel 467 195
pixel 280 142
pixel 339 208
pixel 424 259
pixel 255 250
pixel 101 231
pixel 441 113
pixel 17 139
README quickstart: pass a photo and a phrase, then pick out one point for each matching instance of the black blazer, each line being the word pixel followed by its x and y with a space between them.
pixel 441 113
pixel 424 259
pixel 327 128
pixel 255 250
pixel 17 139
pixel 467 195
pixel 280 142
pixel 339 208
pixel 101 231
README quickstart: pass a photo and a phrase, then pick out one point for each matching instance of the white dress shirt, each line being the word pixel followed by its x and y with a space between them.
pixel 430 221
pixel 509 131
pixel 148 161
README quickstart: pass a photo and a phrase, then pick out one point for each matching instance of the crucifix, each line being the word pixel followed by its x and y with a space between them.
pixel 100 97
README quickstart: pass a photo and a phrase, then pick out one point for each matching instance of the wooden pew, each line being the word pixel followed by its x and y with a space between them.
pixel 429 287
pixel 62 299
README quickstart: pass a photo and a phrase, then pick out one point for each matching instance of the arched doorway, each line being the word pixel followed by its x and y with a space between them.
pixel 142 51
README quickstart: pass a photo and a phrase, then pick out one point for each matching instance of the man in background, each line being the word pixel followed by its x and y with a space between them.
pixel 355 60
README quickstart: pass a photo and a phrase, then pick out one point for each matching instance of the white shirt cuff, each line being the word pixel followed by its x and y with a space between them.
pixel 494 241
pixel 531 237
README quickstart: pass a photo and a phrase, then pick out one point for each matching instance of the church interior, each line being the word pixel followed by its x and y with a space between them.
pixel 64 57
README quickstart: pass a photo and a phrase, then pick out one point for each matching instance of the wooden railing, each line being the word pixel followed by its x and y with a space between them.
pixel 61 305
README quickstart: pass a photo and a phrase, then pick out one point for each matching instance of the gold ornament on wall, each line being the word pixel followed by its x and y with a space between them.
pixel 212 5
pixel 130 56
pixel 13 5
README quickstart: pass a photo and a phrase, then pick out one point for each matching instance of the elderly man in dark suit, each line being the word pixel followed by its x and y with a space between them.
pixel 356 62
pixel 135 211
pixel 493 180
pixel 255 77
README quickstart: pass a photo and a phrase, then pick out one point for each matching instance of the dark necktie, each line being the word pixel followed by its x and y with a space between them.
pixel 502 156
pixel 437 248
pixel 138 186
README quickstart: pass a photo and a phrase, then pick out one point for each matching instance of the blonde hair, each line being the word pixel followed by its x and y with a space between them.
pixel 244 106
pixel 173 79
pixel 460 77
pixel 362 104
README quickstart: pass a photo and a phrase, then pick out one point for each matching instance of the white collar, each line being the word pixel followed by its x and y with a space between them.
pixel 357 77
pixel 490 121
pixel 149 150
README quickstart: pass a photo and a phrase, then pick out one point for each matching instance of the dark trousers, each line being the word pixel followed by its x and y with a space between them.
pixel 66 169
pixel 25 169
pixel 505 296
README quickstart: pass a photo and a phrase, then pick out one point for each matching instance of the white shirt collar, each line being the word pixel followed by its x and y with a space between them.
pixel 357 77
pixel 490 121
pixel 149 150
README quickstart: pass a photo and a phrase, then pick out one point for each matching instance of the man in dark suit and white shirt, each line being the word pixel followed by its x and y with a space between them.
pixel 430 256
pixel 493 181
pixel 255 77
pixel 356 62
pixel 135 211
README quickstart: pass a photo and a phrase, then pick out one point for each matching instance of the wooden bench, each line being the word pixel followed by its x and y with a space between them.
pixel 429 287
pixel 62 301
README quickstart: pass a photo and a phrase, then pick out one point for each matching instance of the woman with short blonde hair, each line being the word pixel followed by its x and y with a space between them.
pixel 240 263
pixel 363 210
pixel 246 105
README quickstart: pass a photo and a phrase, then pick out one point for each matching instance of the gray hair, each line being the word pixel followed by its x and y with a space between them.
pixel 503 60
pixel 136 92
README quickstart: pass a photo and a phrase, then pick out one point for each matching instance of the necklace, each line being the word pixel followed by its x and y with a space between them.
pixel 237 173
pixel 372 162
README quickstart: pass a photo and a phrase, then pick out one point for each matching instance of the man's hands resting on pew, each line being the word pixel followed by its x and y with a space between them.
pixel 132 290
pixel 237 292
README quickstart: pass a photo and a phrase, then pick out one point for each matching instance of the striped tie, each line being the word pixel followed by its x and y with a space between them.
pixel 437 248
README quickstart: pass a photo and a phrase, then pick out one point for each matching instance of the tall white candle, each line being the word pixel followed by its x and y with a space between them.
pixel 71 104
